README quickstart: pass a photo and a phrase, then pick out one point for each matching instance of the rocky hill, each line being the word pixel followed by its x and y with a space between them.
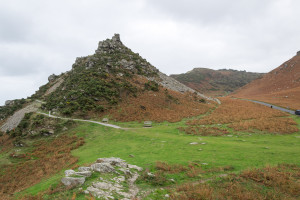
pixel 113 82
pixel 216 82
pixel 281 86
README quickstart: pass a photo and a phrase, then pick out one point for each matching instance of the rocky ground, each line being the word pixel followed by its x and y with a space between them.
pixel 14 120
pixel 117 179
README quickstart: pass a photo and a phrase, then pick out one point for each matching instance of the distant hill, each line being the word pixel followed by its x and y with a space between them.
pixel 216 82
pixel 281 86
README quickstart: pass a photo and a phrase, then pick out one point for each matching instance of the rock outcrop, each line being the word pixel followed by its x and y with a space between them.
pixel 113 174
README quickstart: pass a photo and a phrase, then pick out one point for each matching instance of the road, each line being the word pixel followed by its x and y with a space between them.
pixel 273 106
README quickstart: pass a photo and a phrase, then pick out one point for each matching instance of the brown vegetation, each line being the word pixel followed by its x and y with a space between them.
pixel 281 86
pixel 47 158
pixel 204 131
pixel 162 105
pixel 281 182
pixel 245 116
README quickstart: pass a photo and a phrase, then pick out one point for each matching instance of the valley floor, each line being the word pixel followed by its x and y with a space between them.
pixel 191 161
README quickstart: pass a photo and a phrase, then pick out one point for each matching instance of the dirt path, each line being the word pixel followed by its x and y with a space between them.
pixel 82 120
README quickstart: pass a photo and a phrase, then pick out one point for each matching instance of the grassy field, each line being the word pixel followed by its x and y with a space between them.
pixel 164 142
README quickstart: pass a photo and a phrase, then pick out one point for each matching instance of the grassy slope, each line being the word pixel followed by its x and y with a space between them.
pixel 164 142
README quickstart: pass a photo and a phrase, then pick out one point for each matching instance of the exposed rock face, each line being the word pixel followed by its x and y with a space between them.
pixel 9 102
pixel 109 46
pixel 72 181
pixel 107 51
pixel 102 167
pixel 52 77
pixel 105 188
pixel 298 53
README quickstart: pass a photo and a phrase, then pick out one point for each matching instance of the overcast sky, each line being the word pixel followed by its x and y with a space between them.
pixel 38 38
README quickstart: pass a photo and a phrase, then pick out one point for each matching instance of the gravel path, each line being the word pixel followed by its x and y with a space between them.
pixel 82 120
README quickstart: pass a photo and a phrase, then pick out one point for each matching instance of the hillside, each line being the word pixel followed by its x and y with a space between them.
pixel 216 82
pixel 194 148
pixel 281 86
pixel 108 83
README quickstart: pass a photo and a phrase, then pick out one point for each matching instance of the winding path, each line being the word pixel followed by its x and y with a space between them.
pixel 82 120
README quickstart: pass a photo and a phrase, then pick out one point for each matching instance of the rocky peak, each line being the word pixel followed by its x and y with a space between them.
pixel 110 45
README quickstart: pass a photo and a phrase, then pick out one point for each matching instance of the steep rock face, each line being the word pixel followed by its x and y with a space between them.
pixel 281 86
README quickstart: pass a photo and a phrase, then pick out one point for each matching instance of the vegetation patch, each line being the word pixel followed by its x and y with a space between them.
pixel 246 116
pixel 280 182
pixel 162 105
pixel 46 159
pixel 204 131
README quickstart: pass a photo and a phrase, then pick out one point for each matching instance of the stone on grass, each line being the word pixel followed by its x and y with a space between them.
pixel 113 161
pixel 102 167
pixel 194 143
pixel 72 181
pixel 105 120
pixel 83 169
pixel 69 172
pixel 135 167
pixel 147 124
pixel 84 173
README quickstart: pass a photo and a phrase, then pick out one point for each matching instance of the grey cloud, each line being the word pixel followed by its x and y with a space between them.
pixel 38 38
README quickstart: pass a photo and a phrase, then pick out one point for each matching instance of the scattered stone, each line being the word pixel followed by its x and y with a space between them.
pixel 203 143
pixel 19 144
pixel 83 169
pixel 131 156
pixel 267 148
pixel 194 143
pixel 69 172
pixel 199 149
pixel 147 124
pixel 167 196
pixel 172 180
pixel 113 161
pixel 103 167
pixel 9 102
pixel 229 135
pixel 204 163
pixel 72 181
pixel 135 167
pixel 52 77
pixel 105 120
pixel 84 173
pixel 150 174
pixel 64 128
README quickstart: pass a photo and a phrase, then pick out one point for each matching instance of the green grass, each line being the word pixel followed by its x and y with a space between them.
pixel 164 142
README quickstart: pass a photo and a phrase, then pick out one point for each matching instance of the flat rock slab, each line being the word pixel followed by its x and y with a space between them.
pixel 103 167
pixel 72 181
